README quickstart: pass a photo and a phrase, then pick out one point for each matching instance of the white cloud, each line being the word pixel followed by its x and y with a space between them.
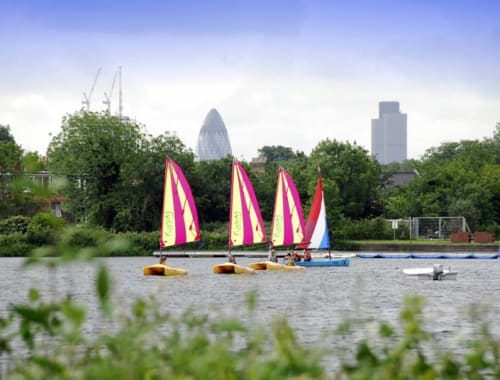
pixel 286 89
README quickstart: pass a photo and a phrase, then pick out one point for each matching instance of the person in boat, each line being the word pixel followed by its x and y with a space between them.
pixel 296 256
pixel 290 260
pixel 163 259
pixel 307 256
pixel 272 256
pixel 437 272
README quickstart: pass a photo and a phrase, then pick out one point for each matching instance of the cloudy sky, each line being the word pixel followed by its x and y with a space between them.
pixel 284 72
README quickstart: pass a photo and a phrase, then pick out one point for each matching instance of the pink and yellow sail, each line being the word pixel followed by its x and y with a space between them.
pixel 245 220
pixel 288 218
pixel 179 218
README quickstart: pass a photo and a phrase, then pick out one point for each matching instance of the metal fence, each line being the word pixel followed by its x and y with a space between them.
pixel 439 227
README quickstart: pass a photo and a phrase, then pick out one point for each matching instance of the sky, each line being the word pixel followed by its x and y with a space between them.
pixel 290 73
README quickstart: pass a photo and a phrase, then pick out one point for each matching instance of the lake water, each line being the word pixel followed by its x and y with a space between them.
pixel 314 300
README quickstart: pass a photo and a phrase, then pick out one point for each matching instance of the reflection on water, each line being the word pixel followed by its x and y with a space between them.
pixel 314 300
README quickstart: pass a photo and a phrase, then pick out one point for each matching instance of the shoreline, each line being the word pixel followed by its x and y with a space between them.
pixel 403 249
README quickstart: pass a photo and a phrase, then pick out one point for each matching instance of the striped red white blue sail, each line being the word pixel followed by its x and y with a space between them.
pixel 179 218
pixel 288 219
pixel 246 225
pixel 316 229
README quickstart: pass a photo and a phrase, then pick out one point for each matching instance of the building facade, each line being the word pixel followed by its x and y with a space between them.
pixel 389 134
pixel 213 140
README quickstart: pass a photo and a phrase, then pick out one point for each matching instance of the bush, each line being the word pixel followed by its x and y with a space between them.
pixel 365 229
pixel 141 243
pixel 215 227
pixel 215 240
pixel 14 224
pixel 345 245
pixel 44 229
pixel 123 221
pixel 39 235
pixel 81 237
pixel 14 244
pixel 49 220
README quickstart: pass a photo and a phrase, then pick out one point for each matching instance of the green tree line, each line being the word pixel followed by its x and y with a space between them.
pixel 113 177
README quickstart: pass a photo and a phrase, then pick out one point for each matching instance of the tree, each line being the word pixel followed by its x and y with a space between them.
pixel 490 181
pixel 394 167
pixel 147 178
pixel 355 176
pixel 277 153
pixel 32 163
pixel 496 139
pixel 456 179
pixel 264 184
pixel 10 152
pixel 211 188
pixel 115 171
pixel 12 199
pixel 5 134
pixel 92 151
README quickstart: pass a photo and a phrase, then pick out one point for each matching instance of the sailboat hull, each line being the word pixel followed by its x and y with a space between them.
pixel 436 272
pixel 162 270
pixel 230 268
pixel 338 262
pixel 270 265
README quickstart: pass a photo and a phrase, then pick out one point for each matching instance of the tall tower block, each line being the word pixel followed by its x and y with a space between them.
pixel 389 134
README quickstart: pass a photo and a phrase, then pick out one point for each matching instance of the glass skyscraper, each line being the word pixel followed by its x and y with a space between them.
pixel 213 140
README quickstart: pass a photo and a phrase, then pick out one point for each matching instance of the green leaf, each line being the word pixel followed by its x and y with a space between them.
pixel 34 295
pixel 103 286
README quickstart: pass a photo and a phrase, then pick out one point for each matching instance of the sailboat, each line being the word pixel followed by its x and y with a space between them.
pixel 316 232
pixel 179 217
pixel 246 225
pixel 288 221
pixel 436 272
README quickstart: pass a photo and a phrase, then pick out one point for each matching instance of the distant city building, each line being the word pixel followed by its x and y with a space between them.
pixel 389 134
pixel 213 140
pixel 401 178
pixel 258 164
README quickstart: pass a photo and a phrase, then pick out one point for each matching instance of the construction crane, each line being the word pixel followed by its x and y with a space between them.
pixel 120 100
pixel 107 100
pixel 87 98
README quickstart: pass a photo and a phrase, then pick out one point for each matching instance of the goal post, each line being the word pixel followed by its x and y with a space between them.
pixel 429 228
pixel 439 227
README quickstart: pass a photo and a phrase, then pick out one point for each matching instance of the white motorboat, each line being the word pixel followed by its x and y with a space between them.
pixel 436 272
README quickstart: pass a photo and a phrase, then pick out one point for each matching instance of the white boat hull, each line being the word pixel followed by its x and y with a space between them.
pixel 436 272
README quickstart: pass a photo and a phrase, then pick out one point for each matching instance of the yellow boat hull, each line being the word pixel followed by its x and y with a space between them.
pixel 270 265
pixel 261 265
pixel 229 268
pixel 162 270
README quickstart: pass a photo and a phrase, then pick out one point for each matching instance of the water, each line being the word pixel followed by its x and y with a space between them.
pixel 314 300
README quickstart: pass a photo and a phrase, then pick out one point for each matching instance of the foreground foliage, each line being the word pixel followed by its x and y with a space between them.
pixel 44 338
